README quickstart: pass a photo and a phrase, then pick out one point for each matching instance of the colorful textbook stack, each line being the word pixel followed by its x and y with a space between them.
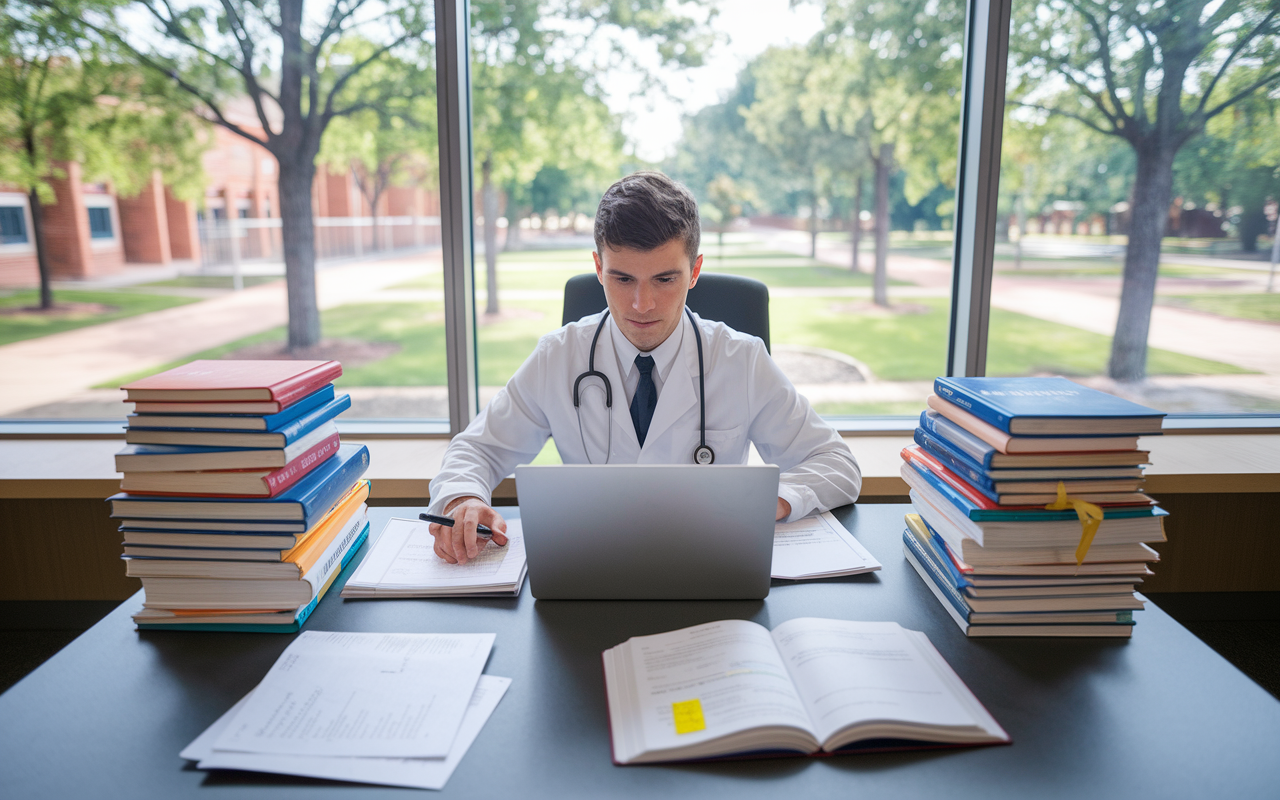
pixel 1030 515
pixel 240 505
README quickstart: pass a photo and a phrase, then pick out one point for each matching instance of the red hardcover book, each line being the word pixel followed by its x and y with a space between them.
pixel 284 382
pixel 231 482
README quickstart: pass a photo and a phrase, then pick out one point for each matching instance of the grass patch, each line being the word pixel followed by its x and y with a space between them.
pixel 896 346
pixel 1262 307
pixel 211 282
pixel 16 327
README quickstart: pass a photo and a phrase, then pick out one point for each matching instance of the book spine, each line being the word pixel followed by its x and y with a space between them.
pixel 957 438
pixel 292 472
pixel 962 465
pixel 332 559
pixel 932 469
pixel 974 404
pixel 948 591
pixel 310 421
pixel 288 392
pixel 305 611
pixel 321 498
pixel 317 399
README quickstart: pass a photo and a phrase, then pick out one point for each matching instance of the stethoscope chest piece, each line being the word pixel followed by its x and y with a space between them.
pixel 703 455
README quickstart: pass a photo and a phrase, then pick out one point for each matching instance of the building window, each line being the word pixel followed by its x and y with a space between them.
pixel 13 225
pixel 100 223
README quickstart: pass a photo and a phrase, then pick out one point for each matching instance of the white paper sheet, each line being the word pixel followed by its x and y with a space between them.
pixel 403 560
pixel 818 547
pixel 362 694
pixel 418 773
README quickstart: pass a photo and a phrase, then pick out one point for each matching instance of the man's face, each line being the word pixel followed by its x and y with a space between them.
pixel 646 290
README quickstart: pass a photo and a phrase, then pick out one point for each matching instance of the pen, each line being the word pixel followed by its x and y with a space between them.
pixel 482 531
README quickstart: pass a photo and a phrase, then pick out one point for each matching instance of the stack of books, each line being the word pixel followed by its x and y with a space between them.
pixel 240 505
pixel 1004 477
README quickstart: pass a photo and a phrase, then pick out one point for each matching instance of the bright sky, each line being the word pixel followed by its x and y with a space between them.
pixel 652 123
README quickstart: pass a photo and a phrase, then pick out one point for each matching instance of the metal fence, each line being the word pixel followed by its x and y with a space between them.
pixel 237 240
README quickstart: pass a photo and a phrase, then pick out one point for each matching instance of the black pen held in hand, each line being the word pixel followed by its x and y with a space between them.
pixel 482 531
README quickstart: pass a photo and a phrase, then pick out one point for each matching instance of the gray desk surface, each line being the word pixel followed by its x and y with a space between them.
pixel 1160 716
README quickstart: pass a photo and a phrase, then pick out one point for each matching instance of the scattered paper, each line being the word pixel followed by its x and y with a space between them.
pixel 418 773
pixel 818 547
pixel 402 562
pixel 362 694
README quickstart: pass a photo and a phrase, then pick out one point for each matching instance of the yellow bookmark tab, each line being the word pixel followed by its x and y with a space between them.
pixel 1089 514
pixel 688 716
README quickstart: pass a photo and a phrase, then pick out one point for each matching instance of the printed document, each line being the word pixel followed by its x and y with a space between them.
pixel 362 694
pixel 403 563
pixel 818 547
pixel 417 773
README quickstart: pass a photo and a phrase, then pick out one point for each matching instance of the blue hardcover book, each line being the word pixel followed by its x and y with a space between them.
pixel 1048 407
pixel 306 501
pixel 986 458
pixel 945 587
pixel 233 422
pixel 958 463
pixel 978 514
pixel 287 434
pixel 978 451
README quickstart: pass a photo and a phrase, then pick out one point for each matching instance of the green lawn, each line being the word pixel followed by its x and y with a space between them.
pixel 15 327
pixel 897 346
pixel 1264 307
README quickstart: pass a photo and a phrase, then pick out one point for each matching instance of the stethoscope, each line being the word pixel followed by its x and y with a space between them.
pixel 701 454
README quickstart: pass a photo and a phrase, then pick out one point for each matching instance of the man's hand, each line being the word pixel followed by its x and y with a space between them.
pixel 458 544
pixel 784 510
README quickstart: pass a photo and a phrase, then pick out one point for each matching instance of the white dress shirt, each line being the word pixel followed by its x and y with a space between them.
pixel 749 400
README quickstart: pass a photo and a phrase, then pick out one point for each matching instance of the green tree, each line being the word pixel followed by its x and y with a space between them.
pixel 284 57
pixel 530 87
pixel 727 201
pixel 395 142
pixel 65 97
pixel 1152 75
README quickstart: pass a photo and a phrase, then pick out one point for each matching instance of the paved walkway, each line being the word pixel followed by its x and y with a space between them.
pixel 50 368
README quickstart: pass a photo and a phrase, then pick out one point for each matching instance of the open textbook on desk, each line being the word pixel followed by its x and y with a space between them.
pixel 812 686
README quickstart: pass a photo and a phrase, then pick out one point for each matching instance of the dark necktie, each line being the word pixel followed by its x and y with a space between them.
pixel 646 398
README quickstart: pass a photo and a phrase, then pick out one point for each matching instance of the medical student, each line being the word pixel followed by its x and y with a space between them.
pixel 622 386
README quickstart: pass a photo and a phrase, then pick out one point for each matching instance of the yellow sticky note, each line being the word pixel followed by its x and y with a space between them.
pixel 688 716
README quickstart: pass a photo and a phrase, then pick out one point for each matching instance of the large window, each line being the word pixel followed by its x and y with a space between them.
pixel 1141 167
pixel 830 130
pixel 1136 208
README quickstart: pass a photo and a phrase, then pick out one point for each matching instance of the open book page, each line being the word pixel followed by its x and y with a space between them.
pixel 418 773
pixel 679 689
pixel 403 559
pixel 362 694
pixel 875 675
pixel 818 547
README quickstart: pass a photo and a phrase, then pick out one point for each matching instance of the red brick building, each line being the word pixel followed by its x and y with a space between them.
pixel 91 232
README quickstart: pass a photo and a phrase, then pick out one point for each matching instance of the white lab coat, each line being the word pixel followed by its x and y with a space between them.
pixel 749 400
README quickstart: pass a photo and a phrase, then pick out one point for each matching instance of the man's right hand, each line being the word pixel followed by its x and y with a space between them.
pixel 458 544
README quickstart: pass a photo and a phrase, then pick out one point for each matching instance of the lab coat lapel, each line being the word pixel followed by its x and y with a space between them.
pixel 678 393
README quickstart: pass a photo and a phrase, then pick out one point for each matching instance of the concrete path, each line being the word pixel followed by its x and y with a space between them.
pixel 50 368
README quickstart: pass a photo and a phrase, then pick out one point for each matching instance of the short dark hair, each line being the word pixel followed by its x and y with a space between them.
pixel 644 211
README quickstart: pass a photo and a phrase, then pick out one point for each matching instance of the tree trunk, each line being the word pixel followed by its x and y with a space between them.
pixel 42 253
pixel 1020 218
pixel 297 233
pixel 489 202
pixel 855 230
pixel 1152 193
pixel 513 242
pixel 813 225
pixel 880 284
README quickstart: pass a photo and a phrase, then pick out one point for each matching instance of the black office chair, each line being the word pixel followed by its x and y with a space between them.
pixel 741 303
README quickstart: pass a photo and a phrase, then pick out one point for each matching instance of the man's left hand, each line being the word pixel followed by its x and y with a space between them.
pixel 784 510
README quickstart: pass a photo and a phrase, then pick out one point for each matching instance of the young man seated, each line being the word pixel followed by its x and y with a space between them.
pixel 643 352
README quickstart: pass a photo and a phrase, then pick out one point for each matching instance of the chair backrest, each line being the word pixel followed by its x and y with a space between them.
pixel 741 303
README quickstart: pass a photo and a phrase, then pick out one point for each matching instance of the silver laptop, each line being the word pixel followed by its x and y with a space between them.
pixel 648 531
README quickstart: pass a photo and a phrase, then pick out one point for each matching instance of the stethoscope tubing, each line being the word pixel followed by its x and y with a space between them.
pixel 702 454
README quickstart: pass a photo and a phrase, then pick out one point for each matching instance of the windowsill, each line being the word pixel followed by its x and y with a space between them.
pixel 65 467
